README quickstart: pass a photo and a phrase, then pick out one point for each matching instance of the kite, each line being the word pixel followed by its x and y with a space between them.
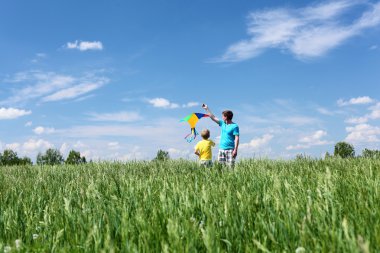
pixel 192 119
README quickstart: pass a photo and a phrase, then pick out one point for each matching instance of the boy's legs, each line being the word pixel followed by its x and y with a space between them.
pixel 205 163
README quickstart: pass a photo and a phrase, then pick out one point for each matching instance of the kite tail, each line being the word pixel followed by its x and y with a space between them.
pixel 191 136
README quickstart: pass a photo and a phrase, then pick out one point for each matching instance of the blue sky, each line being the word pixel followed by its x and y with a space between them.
pixel 112 79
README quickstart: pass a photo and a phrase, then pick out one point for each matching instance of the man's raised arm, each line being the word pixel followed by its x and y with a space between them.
pixel 212 116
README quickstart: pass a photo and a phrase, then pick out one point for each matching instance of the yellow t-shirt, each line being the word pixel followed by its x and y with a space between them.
pixel 204 149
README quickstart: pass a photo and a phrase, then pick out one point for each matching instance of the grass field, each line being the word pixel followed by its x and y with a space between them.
pixel 262 206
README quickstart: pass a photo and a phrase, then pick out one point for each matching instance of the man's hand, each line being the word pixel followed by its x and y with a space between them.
pixel 235 151
pixel 212 116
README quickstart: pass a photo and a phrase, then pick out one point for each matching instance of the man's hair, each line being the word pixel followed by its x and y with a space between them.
pixel 228 114
pixel 205 134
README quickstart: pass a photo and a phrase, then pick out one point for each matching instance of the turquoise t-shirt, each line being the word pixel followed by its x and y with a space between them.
pixel 227 136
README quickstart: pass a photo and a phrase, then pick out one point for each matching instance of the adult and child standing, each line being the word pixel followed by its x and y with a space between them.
pixel 229 140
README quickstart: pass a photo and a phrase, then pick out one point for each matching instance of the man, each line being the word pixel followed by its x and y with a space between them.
pixel 229 137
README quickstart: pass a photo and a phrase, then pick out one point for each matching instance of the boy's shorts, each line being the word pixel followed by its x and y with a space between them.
pixel 225 157
pixel 206 163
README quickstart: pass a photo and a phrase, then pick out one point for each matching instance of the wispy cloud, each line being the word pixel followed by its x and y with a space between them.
pixel 74 91
pixel 12 113
pixel 257 143
pixel 115 130
pixel 373 115
pixel 329 111
pixel 300 120
pixel 43 130
pixel 38 57
pixel 356 101
pixel 50 86
pixel 163 103
pixel 306 32
pixel 123 116
pixel 190 104
pixel 85 45
pixel 166 104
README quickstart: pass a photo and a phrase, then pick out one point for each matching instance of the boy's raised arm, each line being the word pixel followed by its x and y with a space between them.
pixel 212 116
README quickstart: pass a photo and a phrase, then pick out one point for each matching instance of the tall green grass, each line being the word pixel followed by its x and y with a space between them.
pixel 176 206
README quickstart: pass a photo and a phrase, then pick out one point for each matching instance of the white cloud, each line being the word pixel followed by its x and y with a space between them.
pixel 363 133
pixel 14 146
pixel 134 154
pixel 33 145
pixel 123 116
pixel 79 144
pixel 177 153
pixel 85 45
pixel 12 113
pixel 163 103
pixel 315 137
pixel 375 111
pixel 64 148
pixel 305 32
pixel 308 141
pixel 43 130
pixel 258 142
pixel 356 101
pixel 28 124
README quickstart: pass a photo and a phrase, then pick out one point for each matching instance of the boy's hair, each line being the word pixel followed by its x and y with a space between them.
pixel 205 134
pixel 228 114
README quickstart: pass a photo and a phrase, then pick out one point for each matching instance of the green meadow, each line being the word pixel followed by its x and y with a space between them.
pixel 302 205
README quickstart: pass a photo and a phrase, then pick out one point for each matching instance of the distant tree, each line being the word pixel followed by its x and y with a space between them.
pixel 344 150
pixel 162 155
pixel 367 153
pixel 25 161
pixel 51 157
pixel 75 158
pixel 9 157
pixel 327 155
pixel 302 157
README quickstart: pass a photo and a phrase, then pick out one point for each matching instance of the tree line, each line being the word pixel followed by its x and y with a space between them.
pixel 347 150
pixel 51 157
pixel 54 156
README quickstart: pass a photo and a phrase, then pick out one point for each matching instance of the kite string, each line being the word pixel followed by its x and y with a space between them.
pixel 191 136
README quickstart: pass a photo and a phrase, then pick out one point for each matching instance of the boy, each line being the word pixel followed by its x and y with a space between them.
pixel 203 149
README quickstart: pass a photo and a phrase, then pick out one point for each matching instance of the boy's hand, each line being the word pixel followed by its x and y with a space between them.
pixel 204 106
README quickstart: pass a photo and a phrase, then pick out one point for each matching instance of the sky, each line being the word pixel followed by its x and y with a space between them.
pixel 113 79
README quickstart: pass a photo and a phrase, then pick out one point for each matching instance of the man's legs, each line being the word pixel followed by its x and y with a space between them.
pixel 225 158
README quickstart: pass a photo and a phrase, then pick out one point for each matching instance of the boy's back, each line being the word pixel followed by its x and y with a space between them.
pixel 205 149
